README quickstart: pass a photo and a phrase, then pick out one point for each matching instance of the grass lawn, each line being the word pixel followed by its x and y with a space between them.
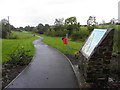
pixel 57 43
pixel 23 39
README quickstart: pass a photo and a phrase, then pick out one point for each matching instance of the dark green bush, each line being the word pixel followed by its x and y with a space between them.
pixel 61 33
pixel 54 33
pixel 91 28
pixel 80 35
pixel 19 57
pixel 50 33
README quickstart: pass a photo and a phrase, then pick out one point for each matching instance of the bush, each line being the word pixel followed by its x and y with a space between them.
pixel 50 33
pixel 53 33
pixel 80 35
pixel 61 33
pixel 12 36
pixel 19 57
pixel 90 28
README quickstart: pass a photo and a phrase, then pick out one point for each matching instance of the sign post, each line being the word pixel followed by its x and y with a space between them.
pixel 67 43
pixel 95 56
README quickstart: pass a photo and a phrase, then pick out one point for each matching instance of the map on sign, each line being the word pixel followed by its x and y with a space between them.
pixel 92 41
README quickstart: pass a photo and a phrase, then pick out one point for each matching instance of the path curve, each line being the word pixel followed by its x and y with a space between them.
pixel 49 69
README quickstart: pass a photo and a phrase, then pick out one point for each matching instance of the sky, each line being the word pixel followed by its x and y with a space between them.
pixel 119 10
pixel 33 12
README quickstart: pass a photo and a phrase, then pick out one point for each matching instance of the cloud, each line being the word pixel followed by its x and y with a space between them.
pixel 33 12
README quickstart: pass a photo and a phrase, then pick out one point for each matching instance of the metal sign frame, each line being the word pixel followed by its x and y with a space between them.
pixel 103 37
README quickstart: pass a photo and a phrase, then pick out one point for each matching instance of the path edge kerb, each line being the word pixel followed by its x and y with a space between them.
pixel 20 72
pixel 68 61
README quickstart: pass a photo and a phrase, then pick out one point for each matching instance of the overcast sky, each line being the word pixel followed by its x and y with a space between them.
pixel 33 12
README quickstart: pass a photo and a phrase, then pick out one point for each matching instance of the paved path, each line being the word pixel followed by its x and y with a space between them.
pixel 49 69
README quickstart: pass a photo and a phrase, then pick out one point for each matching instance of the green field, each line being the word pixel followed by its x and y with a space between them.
pixel 24 39
pixel 74 46
pixel 57 43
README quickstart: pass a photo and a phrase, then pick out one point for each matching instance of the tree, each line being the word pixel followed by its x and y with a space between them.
pixel 72 24
pixel 20 29
pixel 40 28
pixel 28 28
pixel 59 21
pixel 5 28
pixel 46 27
pixel 34 30
pixel 112 21
pixel 12 28
pixel 91 23
pixel 71 21
pixel 58 24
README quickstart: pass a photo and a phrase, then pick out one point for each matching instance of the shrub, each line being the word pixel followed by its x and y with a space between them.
pixel 19 57
pixel 53 33
pixel 12 36
pixel 61 33
pixel 80 35
pixel 50 33
pixel 90 28
pixel 75 35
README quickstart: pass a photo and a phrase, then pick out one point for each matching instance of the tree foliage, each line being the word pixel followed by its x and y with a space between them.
pixel 72 24
pixel 28 28
pixel 5 28
pixel 58 24
pixel 91 23
pixel 40 28
pixel 46 27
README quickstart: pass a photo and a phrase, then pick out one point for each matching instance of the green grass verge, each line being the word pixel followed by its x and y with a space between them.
pixel 57 43
pixel 23 39
pixel 74 46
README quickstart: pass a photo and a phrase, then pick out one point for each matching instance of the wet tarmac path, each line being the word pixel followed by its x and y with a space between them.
pixel 49 69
